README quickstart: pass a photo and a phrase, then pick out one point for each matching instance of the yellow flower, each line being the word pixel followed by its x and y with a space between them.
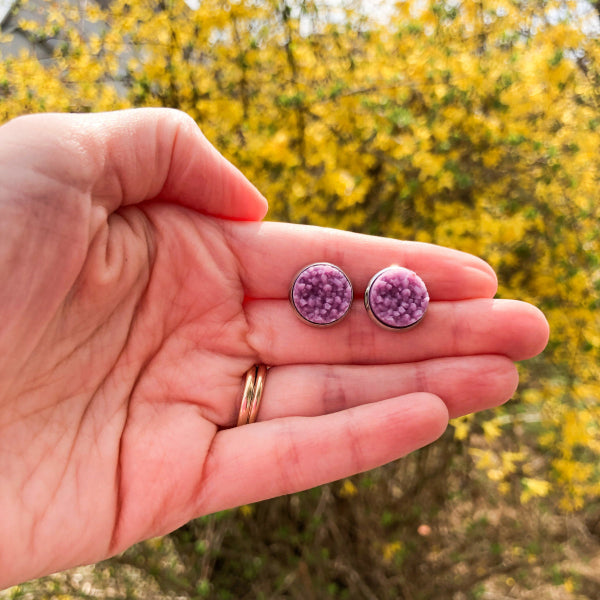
pixel 391 550
pixel 348 489
pixel 533 488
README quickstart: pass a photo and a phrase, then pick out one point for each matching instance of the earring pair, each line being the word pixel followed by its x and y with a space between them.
pixel 395 298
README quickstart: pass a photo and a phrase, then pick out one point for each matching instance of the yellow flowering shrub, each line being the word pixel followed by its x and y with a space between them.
pixel 474 125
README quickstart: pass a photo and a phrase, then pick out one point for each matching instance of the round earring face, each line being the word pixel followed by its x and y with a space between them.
pixel 396 298
pixel 321 294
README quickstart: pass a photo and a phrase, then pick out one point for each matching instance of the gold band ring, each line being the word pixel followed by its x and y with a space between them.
pixel 259 386
pixel 247 396
pixel 254 383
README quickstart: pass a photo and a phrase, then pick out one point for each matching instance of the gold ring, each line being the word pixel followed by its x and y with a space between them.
pixel 259 386
pixel 254 383
pixel 247 396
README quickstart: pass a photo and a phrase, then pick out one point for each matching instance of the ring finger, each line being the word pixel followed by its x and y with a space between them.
pixel 465 385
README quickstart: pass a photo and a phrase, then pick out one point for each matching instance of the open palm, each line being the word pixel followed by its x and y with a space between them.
pixel 138 286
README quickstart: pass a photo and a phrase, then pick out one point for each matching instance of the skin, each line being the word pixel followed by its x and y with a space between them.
pixel 139 285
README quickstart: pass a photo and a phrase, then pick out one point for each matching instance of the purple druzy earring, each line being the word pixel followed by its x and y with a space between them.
pixel 396 298
pixel 321 294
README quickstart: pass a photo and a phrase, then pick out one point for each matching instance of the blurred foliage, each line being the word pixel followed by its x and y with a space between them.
pixel 470 124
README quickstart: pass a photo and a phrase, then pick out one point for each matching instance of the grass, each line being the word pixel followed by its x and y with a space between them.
pixel 428 527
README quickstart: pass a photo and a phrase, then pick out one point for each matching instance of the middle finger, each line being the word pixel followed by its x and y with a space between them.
pixel 470 327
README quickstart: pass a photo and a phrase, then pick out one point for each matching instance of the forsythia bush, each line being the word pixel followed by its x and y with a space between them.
pixel 474 125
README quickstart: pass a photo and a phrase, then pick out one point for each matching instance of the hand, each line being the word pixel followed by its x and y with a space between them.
pixel 138 286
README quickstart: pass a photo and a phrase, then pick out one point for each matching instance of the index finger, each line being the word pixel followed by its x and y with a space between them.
pixel 271 254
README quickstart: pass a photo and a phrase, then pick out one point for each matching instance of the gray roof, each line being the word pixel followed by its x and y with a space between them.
pixel 5 6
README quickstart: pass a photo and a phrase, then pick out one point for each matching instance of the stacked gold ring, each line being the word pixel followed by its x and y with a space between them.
pixel 254 384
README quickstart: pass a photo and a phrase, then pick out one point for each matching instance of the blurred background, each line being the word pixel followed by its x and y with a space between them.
pixel 468 123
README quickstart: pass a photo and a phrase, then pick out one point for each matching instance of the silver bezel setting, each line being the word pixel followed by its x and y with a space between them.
pixel 304 319
pixel 373 316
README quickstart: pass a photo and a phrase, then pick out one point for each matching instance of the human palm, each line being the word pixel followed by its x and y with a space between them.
pixel 139 285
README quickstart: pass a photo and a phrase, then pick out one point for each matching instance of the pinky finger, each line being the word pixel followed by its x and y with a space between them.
pixel 263 460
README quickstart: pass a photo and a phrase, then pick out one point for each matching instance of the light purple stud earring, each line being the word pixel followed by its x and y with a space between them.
pixel 396 298
pixel 321 294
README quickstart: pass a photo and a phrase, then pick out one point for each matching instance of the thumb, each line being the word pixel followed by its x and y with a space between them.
pixel 130 156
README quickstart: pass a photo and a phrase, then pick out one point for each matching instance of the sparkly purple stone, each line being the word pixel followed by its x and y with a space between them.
pixel 397 297
pixel 321 294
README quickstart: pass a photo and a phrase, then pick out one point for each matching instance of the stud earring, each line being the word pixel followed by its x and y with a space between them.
pixel 396 298
pixel 321 294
